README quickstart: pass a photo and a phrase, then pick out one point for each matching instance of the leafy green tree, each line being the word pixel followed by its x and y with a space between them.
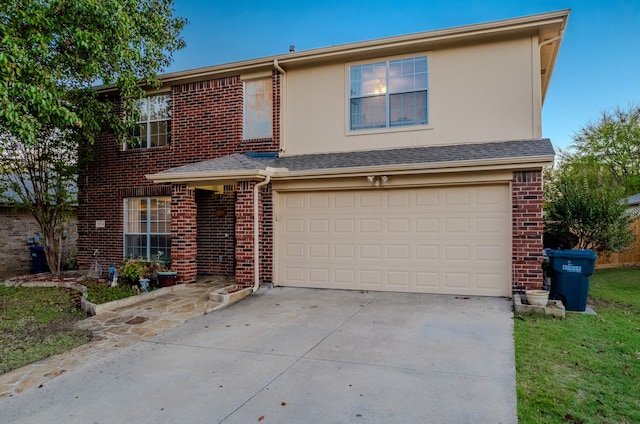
pixel 53 53
pixel 586 210
pixel 613 142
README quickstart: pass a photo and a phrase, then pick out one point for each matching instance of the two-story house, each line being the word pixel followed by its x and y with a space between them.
pixel 411 163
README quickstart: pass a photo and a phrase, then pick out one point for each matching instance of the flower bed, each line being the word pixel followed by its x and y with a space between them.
pixel 97 294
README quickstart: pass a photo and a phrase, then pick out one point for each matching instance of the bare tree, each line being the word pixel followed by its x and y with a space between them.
pixel 40 178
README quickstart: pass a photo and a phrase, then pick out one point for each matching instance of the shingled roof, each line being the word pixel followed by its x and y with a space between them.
pixel 252 163
pixel 416 155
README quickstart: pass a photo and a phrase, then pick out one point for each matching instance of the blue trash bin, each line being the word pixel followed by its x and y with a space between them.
pixel 570 272
pixel 38 260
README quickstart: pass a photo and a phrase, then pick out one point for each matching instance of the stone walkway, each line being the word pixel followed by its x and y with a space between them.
pixel 117 329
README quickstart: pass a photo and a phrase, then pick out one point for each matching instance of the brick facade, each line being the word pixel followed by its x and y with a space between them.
pixel 15 228
pixel 216 233
pixel 212 233
pixel 244 234
pixel 184 232
pixel 245 272
pixel 266 236
pixel 526 191
pixel 206 123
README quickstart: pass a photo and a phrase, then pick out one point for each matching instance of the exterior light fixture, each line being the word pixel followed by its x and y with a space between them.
pixel 377 180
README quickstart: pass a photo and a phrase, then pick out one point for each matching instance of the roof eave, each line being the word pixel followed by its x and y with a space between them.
pixel 537 162
pixel 528 162
pixel 185 177
pixel 423 40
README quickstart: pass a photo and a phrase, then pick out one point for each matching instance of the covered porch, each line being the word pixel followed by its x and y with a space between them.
pixel 216 219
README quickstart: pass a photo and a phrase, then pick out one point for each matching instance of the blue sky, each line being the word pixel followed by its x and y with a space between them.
pixel 598 67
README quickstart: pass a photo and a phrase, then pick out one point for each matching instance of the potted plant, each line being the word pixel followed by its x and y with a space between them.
pixel 166 277
pixel 537 297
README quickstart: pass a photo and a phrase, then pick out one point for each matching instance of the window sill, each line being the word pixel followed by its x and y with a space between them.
pixel 145 149
pixel 351 133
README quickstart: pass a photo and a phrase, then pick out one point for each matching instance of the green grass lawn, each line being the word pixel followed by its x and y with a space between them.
pixel 584 368
pixel 36 323
pixel 39 322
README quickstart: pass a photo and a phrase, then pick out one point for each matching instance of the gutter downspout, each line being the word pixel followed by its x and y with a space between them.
pixel 256 234
pixel 283 92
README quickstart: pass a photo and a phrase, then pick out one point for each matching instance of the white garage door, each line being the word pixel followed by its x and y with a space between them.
pixel 452 240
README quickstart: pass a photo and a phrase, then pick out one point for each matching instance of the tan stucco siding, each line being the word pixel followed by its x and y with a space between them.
pixel 477 93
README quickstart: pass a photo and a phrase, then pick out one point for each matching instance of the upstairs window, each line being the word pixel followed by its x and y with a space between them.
pixel 153 127
pixel 388 94
pixel 258 109
pixel 147 227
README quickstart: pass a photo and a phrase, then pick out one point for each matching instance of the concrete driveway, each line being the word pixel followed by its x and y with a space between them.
pixel 287 355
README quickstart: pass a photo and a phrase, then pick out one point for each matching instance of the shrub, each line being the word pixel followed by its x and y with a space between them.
pixel 100 292
pixel 132 270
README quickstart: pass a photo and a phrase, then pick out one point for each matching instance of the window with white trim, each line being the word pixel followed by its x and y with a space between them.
pixel 388 94
pixel 147 227
pixel 153 127
pixel 258 108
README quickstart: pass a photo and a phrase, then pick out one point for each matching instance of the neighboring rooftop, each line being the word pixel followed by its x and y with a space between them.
pixel 634 200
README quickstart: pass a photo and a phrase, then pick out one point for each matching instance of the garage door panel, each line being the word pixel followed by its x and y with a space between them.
pixel 398 226
pixel 399 252
pixel 295 226
pixel 489 253
pixel 427 198
pixel 319 275
pixel 344 251
pixel 456 280
pixel 490 225
pixel 427 225
pixel 344 226
pixel 319 226
pixel 370 251
pixel 427 253
pixel 488 196
pixel 399 279
pixel 294 275
pixel 344 277
pixel 433 240
pixel 370 225
pixel 294 250
pixel 319 201
pixel 456 254
pixel 486 281
pixel 370 200
pixel 294 201
pixel 319 251
pixel 370 278
pixel 344 200
pixel 426 281
pixel 457 225
pixel 399 199
pixel 457 197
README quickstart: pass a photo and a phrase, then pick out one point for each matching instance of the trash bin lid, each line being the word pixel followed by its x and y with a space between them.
pixel 572 254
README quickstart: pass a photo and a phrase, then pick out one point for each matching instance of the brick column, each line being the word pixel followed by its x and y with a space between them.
pixel 526 191
pixel 184 230
pixel 244 233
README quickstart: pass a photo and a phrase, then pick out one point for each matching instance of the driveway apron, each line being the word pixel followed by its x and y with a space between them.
pixel 287 355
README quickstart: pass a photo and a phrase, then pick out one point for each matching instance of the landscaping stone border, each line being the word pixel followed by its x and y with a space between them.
pixel 93 308
pixel 554 307
pixel 229 295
